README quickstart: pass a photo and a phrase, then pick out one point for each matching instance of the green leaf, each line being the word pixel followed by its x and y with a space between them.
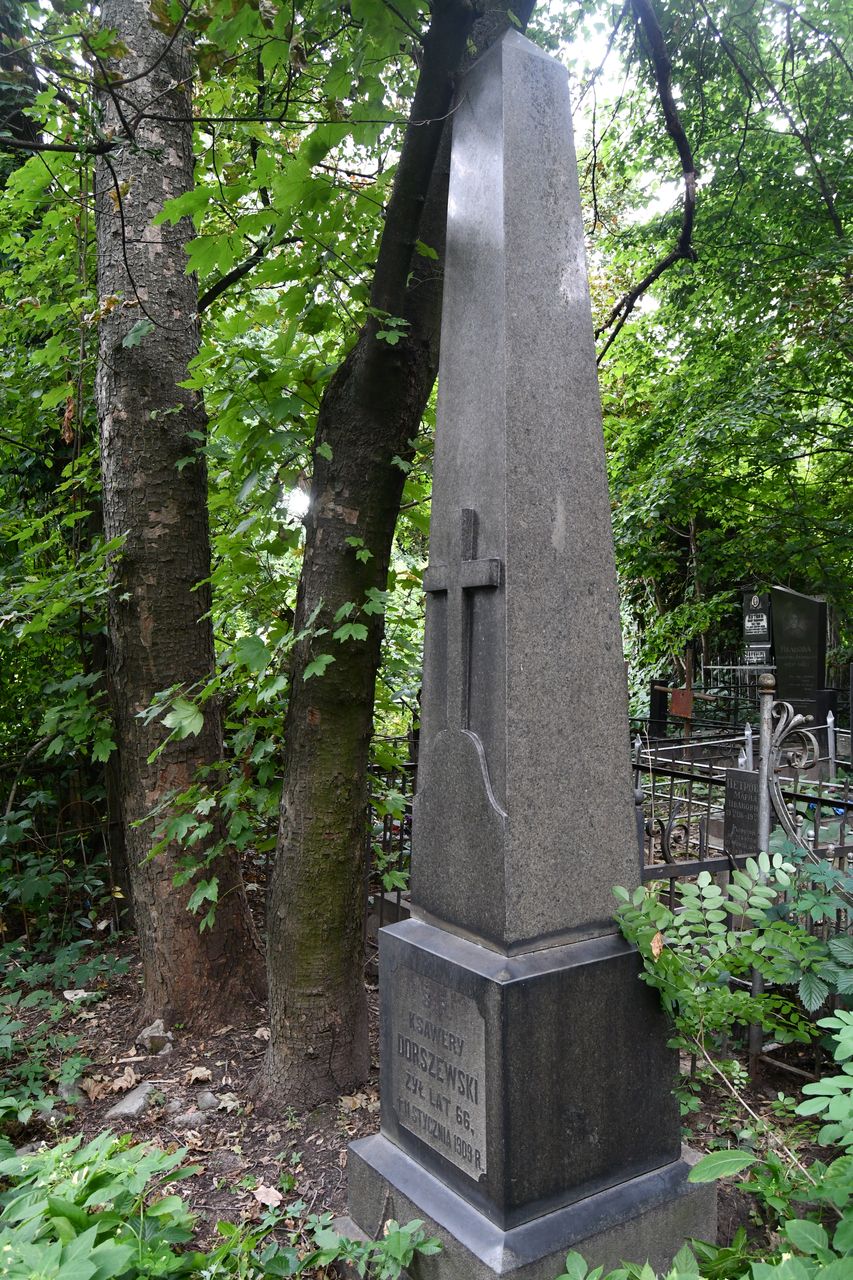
pixel 318 666
pixel 184 718
pixel 140 330
pixel 812 1106
pixel 842 948
pixel 787 1269
pixel 251 652
pixel 839 1269
pixel 350 631
pixel 576 1267
pixel 103 749
pixel 425 250
pixel 843 1240
pixel 325 450
pixel 720 1164
pixel 812 991
pixel 205 891
pixel 807 1236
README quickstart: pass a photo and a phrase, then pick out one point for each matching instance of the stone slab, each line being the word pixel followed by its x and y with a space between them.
pixel 525 1082
pixel 645 1218
pixel 799 643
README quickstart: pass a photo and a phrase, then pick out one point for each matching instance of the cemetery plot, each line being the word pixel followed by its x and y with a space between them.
pixel 702 814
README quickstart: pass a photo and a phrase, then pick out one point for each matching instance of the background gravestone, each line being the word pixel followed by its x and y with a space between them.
pixel 757 629
pixel 740 813
pixel 526 1086
pixel 799 641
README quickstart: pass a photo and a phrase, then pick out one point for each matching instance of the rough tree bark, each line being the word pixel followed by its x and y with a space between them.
pixel 159 629
pixel 371 412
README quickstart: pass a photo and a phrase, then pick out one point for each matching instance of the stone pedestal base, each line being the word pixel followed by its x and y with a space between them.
pixel 527 1110
pixel 646 1218
pixel 523 1082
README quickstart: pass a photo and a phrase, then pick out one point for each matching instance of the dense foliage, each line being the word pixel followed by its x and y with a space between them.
pixel 714 143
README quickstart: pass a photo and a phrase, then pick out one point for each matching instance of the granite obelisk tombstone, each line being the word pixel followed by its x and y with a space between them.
pixel 526 1084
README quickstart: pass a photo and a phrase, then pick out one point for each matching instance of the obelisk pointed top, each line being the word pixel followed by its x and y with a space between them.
pixel 524 700
pixel 513 39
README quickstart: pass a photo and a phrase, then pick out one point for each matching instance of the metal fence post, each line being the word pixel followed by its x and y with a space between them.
pixel 830 744
pixel 766 692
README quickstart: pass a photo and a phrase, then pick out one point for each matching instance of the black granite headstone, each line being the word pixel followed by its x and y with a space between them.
pixel 756 618
pixel 799 642
pixel 740 813
pixel 757 629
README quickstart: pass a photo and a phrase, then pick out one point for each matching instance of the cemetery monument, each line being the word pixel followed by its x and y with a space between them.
pixel 527 1104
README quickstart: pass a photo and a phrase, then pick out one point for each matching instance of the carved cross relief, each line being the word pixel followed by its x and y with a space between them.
pixel 457 580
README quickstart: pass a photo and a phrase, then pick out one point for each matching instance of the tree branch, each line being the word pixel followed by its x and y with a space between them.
pixel 662 70
pixel 240 270
pixel 70 148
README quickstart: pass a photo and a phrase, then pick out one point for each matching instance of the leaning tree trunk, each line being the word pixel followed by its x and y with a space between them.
pixel 371 411
pixel 159 626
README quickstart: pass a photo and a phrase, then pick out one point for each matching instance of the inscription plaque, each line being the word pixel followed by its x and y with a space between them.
pixel 740 825
pixel 438 1076
pixel 756 625
pixel 756 618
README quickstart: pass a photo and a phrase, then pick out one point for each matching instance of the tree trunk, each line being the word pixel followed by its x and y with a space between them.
pixel 159 626
pixel 371 411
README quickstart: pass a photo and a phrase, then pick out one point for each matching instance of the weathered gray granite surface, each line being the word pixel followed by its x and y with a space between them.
pixel 523 656
pixel 526 1086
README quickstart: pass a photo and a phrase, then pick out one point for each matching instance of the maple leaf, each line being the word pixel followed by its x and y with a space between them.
pixel 94 1089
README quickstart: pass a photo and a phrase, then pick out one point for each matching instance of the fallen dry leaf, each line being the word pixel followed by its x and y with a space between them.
pixel 94 1089
pixel 73 996
pixel 198 1073
pixel 192 1138
pixel 268 1196
pixel 262 1033
pixel 228 1102
pixel 355 1101
pixel 657 944
pixel 126 1080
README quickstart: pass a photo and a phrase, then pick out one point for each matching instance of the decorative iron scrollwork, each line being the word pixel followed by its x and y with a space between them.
pixel 792 746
